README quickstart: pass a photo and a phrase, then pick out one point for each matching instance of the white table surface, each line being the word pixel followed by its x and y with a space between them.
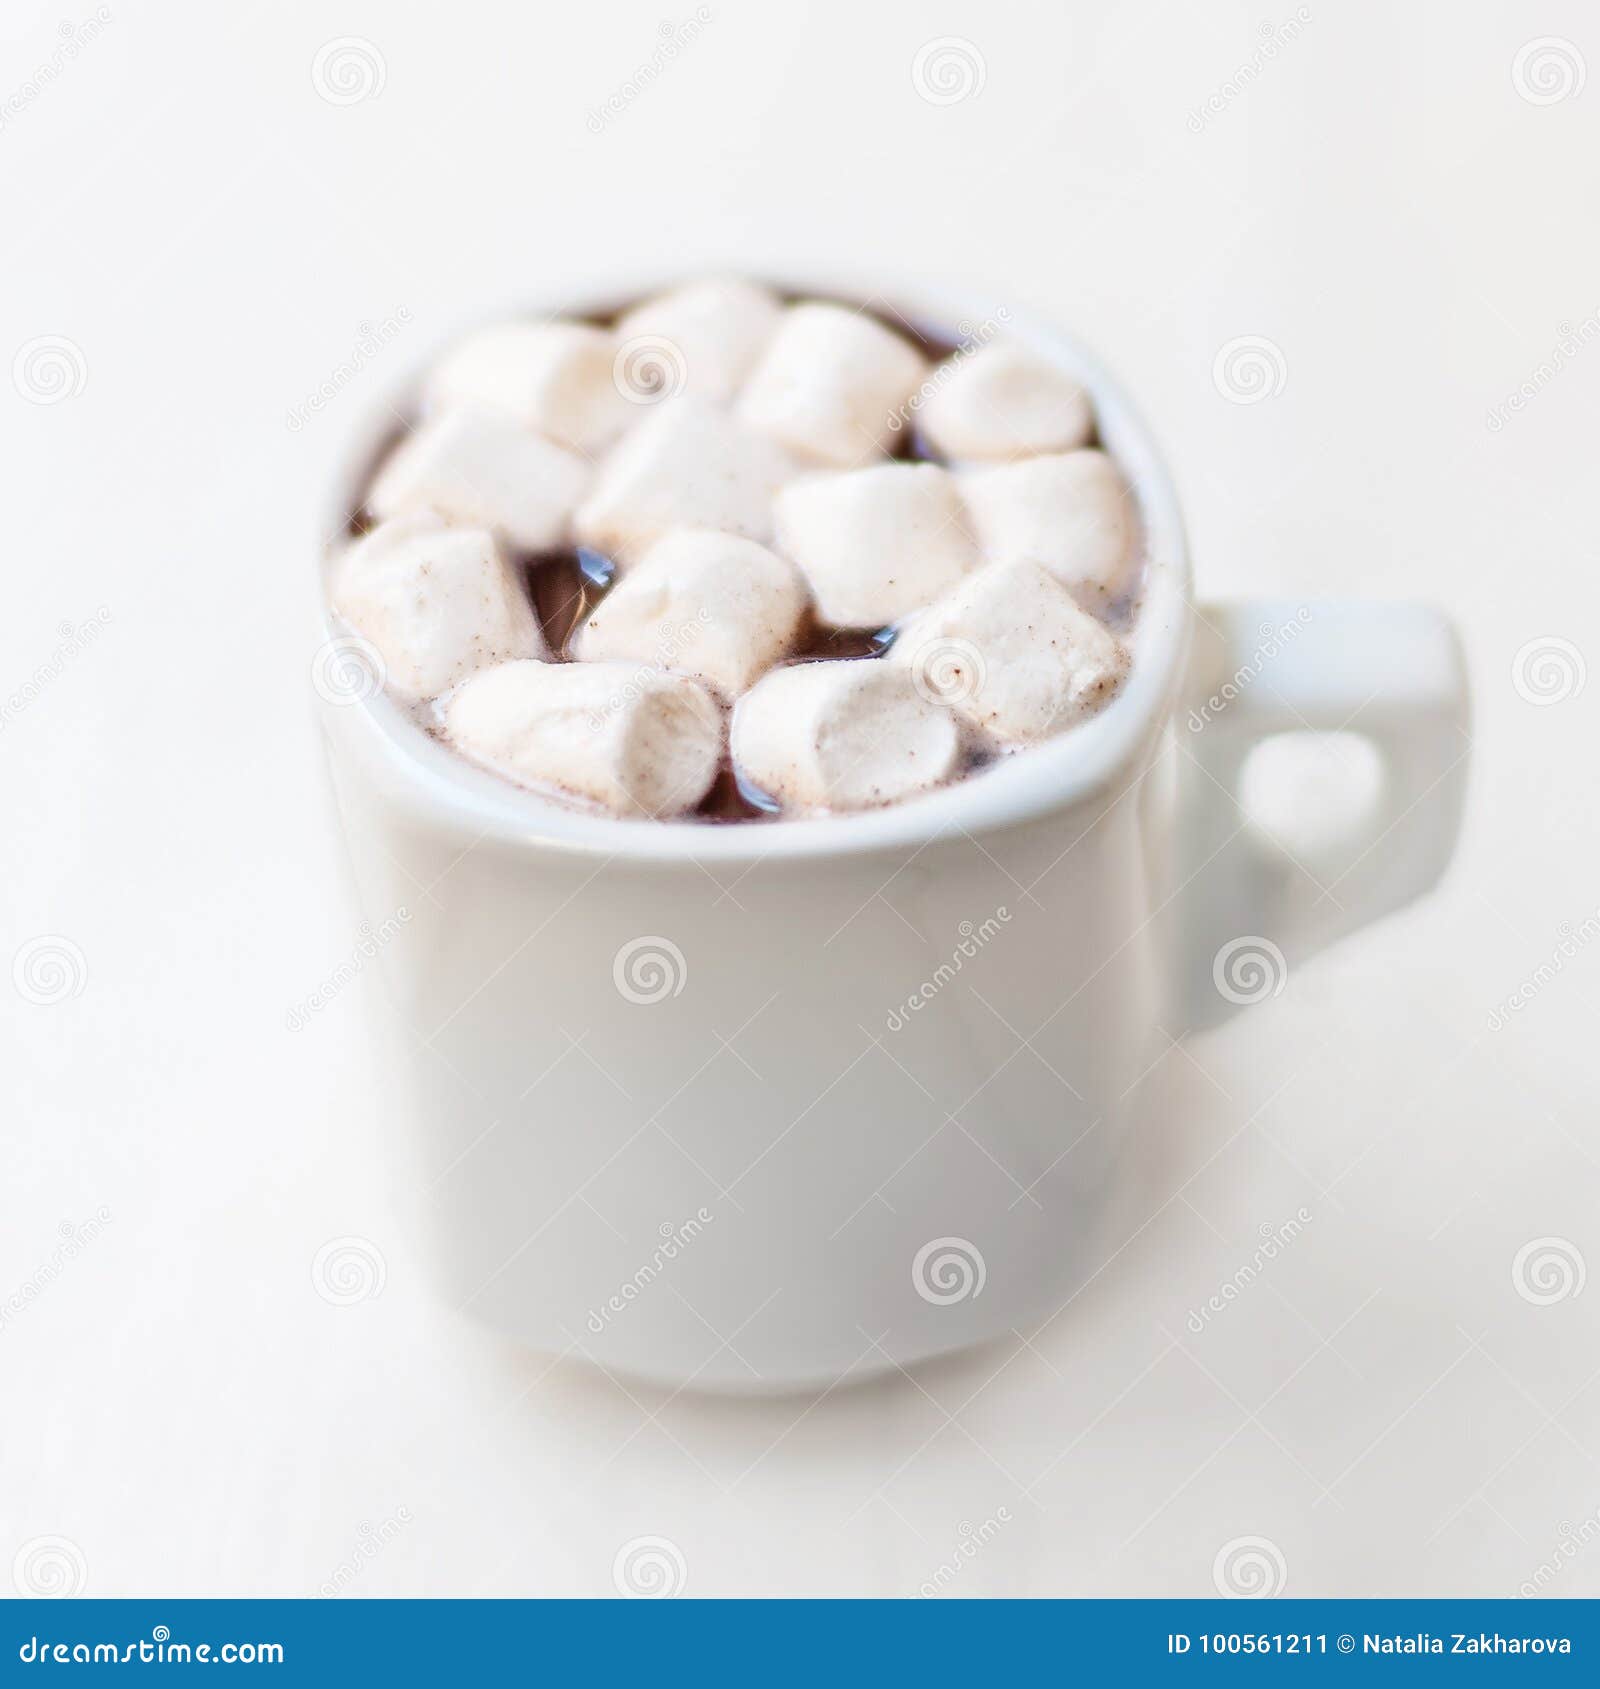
pixel 210 234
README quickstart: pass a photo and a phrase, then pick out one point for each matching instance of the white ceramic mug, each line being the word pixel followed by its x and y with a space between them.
pixel 756 1107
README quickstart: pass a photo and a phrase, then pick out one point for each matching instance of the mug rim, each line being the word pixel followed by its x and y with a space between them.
pixel 433 780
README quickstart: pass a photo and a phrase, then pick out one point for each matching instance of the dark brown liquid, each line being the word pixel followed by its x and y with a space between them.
pixel 819 644
pixel 911 445
pixel 733 798
pixel 564 587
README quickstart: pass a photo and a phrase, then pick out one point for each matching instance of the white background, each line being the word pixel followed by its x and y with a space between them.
pixel 210 234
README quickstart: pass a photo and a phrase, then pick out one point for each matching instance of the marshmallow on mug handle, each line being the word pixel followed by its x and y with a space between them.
pixel 437 602
pixel 1003 401
pixel 715 606
pixel 876 543
pixel 689 465
pixel 481 468
pixel 703 337
pixel 1072 512
pixel 850 734
pixel 634 741
pixel 1011 651
pixel 832 384
pixel 559 378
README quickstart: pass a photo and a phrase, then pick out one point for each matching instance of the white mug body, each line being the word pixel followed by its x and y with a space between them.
pixel 760 1106
pixel 759 1129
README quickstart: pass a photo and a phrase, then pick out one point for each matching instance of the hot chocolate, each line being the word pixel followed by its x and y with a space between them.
pixel 801 558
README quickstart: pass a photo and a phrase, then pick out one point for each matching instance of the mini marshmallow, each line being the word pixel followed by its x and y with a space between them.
pixel 1012 653
pixel 634 742
pixel 842 735
pixel 832 384
pixel 705 335
pixel 439 603
pixel 876 543
pixel 559 378
pixel 714 606
pixel 483 470
pixel 1003 401
pixel 1072 512
pixel 689 465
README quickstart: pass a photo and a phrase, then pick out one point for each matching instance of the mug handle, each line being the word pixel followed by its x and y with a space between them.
pixel 1390 672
